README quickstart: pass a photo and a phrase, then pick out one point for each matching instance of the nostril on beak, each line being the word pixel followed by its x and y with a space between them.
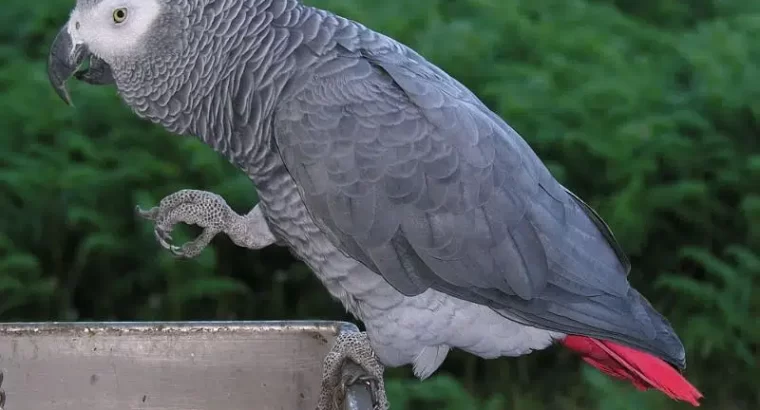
pixel 76 25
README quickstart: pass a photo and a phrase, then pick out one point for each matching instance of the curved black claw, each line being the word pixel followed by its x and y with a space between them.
pixel 162 235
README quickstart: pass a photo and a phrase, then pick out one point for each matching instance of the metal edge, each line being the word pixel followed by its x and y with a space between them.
pixel 346 327
pixel 173 328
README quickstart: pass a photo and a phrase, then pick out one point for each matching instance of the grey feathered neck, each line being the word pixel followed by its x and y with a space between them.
pixel 203 59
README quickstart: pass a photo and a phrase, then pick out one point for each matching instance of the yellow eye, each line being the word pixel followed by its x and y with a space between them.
pixel 119 15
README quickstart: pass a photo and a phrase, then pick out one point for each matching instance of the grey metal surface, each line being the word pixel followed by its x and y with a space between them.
pixel 168 366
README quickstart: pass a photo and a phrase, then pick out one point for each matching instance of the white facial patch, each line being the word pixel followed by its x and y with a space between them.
pixel 104 35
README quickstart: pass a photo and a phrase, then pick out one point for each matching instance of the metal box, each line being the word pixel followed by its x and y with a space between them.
pixel 168 366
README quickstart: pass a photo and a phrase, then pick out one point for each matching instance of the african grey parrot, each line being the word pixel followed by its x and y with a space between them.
pixel 417 207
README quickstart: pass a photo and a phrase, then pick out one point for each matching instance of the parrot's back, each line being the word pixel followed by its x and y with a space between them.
pixel 407 172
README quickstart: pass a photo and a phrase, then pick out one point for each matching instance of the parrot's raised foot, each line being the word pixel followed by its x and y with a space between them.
pixel 338 374
pixel 211 212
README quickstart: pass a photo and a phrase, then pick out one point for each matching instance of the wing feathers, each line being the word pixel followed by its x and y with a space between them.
pixel 416 178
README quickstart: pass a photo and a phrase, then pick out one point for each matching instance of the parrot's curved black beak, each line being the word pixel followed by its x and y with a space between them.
pixel 64 61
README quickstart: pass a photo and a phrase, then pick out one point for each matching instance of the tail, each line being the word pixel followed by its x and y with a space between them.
pixel 644 370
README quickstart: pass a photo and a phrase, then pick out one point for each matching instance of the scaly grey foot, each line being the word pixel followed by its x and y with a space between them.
pixel 211 212
pixel 336 377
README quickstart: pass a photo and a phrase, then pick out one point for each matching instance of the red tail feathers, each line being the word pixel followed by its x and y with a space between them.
pixel 642 369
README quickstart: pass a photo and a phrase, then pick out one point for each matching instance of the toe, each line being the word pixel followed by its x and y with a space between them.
pixel 151 213
pixel 177 251
pixel 160 238
pixel 187 251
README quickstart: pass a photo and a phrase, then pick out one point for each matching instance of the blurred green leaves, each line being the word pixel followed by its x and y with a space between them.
pixel 724 302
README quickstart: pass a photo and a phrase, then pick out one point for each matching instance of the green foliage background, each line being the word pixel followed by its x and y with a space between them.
pixel 648 109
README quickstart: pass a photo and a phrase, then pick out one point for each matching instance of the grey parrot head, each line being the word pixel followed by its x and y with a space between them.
pixel 115 37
